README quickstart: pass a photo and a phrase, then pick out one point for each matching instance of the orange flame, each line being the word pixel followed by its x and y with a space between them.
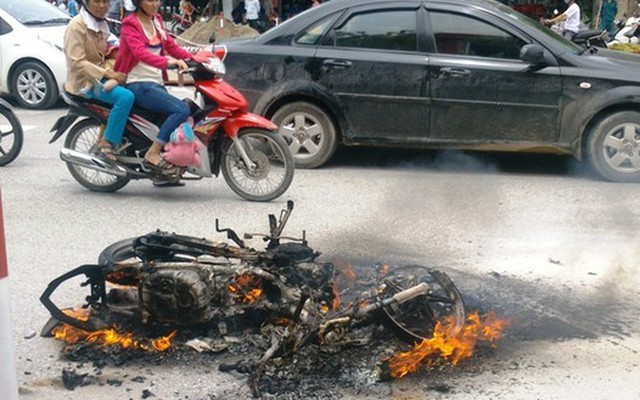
pixel 336 297
pixel 449 343
pixel 345 269
pixel 384 269
pixel 246 289
pixel 106 337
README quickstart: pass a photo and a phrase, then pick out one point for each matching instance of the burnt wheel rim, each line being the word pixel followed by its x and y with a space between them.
pixel 415 320
pixel 31 86
pixel 304 134
pixel 621 148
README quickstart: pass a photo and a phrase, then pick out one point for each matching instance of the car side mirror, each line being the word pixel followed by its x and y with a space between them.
pixel 533 54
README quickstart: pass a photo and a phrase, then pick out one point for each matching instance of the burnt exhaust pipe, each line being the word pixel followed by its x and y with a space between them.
pixel 92 162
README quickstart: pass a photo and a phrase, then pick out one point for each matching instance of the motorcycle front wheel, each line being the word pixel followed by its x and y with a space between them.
pixel 83 137
pixel 416 319
pixel 11 136
pixel 272 172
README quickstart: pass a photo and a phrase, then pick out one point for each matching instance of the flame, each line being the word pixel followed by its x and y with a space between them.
pixel 336 297
pixel 346 270
pixel 246 289
pixel 163 343
pixel 448 343
pixel 106 337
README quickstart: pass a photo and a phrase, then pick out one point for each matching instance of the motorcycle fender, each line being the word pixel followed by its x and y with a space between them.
pixel 233 124
pixel 61 126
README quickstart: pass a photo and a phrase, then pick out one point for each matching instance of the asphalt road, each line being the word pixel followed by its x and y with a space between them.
pixel 536 239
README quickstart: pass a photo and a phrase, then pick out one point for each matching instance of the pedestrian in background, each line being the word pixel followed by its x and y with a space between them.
pixel 115 15
pixel 72 8
pixel 608 11
pixel 252 9
pixel 129 7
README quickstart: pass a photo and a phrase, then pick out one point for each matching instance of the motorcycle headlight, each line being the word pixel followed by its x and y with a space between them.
pixel 216 66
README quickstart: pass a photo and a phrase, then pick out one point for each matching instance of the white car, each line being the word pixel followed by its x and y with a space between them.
pixel 32 60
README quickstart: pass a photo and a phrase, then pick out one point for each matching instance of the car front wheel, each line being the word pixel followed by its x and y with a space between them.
pixel 309 132
pixel 33 86
pixel 613 147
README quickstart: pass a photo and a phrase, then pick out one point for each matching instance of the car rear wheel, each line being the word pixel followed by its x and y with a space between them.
pixel 33 86
pixel 309 132
pixel 613 147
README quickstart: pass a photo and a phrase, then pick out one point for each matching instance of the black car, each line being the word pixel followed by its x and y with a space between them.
pixel 464 74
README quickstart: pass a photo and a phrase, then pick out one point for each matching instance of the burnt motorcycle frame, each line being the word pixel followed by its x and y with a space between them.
pixel 296 284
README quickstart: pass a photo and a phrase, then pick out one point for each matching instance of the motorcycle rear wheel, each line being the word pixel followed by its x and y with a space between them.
pixel 11 136
pixel 83 138
pixel 274 165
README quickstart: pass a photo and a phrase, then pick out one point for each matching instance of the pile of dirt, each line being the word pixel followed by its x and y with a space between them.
pixel 200 32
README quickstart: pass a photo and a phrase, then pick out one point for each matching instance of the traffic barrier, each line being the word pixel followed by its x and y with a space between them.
pixel 8 377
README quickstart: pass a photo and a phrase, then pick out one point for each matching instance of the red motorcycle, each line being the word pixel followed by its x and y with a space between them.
pixel 254 159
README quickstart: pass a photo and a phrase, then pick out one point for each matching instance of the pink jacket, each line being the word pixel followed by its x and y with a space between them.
pixel 133 47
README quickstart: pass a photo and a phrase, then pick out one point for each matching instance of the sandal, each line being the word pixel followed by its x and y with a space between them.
pixel 105 151
pixel 164 167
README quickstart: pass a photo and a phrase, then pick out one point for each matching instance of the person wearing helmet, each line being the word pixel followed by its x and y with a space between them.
pixel 146 50
pixel 85 44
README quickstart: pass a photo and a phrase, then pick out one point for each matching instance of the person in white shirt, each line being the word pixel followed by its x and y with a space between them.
pixel 252 9
pixel 571 18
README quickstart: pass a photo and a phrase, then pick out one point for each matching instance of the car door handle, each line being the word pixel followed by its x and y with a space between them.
pixel 450 71
pixel 336 63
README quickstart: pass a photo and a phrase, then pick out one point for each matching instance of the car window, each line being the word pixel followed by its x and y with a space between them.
pixel 463 35
pixel 34 12
pixel 314 33
pixel 4 27
pixel 386 29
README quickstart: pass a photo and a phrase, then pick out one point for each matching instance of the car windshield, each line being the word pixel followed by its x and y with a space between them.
pixel 523 19
pixel 34 12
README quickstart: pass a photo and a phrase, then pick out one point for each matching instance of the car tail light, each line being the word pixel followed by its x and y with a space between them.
pixel 220 51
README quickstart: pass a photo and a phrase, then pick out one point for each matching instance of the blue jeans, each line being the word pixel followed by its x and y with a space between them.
pixel 155 97
pixel 122 100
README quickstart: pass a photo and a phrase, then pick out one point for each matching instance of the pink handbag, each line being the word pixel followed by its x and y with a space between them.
pixel 183 149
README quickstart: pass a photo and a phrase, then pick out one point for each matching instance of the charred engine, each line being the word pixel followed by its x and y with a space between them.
pixel 209 289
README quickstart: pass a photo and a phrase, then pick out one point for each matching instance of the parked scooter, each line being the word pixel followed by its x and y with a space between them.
pixel 628 29
pixel 11 135
pixel 254 159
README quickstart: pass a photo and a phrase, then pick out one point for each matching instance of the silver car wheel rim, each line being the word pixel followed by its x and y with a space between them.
pixel 304 134
pixel 621 148
pixel 32 87
pixel 86 143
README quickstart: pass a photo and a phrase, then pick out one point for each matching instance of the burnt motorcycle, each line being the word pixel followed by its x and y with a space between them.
pixel 169 280
pixel 11 135
pixel 254 159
